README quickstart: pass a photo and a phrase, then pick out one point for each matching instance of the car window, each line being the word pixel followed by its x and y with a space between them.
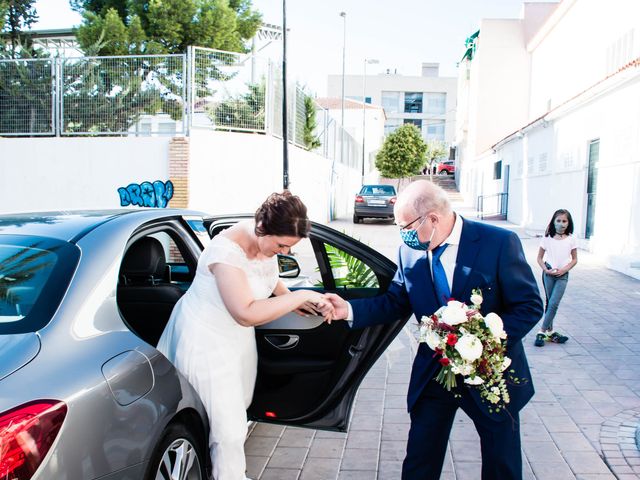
pixel 309 270
pixel 349 271
pixel 34 273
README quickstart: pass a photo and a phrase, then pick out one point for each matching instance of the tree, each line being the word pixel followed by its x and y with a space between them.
pixel 25 86
pixel 17 16
pixel 243 112
pixel 165 26
pixel 309 138
pixel 402 154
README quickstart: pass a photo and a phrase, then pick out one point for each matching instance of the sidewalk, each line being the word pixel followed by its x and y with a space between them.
pixel 580 424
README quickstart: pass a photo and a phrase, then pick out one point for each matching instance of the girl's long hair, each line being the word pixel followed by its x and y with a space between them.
pixel 551 228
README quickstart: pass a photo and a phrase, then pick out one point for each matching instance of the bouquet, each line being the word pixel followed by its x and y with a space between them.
pixel 469 345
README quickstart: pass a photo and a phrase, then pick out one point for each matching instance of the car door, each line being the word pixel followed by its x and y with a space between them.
pixel 309 370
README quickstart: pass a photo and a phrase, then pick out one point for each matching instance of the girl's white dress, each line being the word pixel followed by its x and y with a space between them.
pixel 216 354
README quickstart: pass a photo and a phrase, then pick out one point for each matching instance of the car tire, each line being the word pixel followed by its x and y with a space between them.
pixel 443 172
pixel 356 218
pixel 177 443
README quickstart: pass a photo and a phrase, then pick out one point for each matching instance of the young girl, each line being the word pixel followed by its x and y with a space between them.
pixel 557 255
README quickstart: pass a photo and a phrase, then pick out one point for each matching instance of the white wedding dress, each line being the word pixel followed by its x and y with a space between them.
pixel 216 354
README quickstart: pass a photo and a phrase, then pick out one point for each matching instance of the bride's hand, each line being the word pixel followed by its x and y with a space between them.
pixel 307 309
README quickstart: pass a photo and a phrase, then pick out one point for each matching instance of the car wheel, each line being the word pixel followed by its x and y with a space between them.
pixel 178 455
pixel 443 172
pixel 356 218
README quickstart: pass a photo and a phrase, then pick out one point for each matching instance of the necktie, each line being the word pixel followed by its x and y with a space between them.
pixel 440 283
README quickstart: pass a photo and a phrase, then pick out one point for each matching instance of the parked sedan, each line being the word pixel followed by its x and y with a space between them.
pixel 374 201
pixel 84 298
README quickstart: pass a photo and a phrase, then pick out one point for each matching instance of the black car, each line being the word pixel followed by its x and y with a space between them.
pixel 374 201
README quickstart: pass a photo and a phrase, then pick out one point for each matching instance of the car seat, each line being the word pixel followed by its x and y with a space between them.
pixel 145 295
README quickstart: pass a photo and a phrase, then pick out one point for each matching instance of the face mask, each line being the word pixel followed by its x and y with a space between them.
pixel 411 240
pixel 560 227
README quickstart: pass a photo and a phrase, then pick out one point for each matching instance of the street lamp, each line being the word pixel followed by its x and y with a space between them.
pixel 370 61
pixel 344 48
pixel 285 139
pixel 332 193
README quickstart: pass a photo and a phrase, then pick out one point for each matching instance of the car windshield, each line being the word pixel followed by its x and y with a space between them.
pixel 378 190
pixel 34 273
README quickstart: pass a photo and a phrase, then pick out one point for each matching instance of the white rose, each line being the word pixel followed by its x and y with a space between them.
pixel 463 369
pixel 474 381
pixel 453 315
pixel 433 339
pixel 469 347
pixel 505 363
pixel 457 304
pixel 494 322
pixel 476 299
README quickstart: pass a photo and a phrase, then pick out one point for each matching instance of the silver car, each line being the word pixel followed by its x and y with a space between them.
pixel 84 297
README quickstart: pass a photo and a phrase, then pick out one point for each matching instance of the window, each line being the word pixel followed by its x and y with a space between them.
pixel 530 165
pixel 435 130
pixel 412 102
pixel 413 121
pixel 497 170
pixel 34 276
pixel 391 125
pixel 542 162
pixel 391 102
pixel 436 103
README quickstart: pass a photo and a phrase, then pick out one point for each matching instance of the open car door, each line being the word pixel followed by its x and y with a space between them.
pixel 309 371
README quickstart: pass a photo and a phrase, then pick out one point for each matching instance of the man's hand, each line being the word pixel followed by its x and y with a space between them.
pixel 338 305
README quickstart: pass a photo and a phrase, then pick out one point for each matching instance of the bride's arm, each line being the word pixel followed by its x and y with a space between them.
pixel 246 310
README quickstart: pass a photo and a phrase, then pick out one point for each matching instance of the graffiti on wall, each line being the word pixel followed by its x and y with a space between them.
pixel 147 194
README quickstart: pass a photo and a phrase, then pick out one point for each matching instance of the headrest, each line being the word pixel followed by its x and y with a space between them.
pixel 145 258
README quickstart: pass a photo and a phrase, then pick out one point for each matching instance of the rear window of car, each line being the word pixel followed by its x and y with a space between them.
pixel 34 274
pixel 378 190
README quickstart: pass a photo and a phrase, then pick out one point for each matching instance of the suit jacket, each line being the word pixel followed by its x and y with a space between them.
pixel 489 258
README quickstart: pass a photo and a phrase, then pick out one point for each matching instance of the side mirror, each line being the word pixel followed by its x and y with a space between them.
pixel 288 266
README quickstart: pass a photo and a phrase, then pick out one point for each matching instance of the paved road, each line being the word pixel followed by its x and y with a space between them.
pixel 580 424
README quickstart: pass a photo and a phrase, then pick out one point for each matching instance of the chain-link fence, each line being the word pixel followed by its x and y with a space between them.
pixel 26 97
pixel 228 90
pixel 162 95
pixel 120 94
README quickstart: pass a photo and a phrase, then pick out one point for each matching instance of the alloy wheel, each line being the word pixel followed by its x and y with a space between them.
pixel 179 462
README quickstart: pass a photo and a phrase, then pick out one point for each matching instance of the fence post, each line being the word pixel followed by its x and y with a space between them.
pixel 59 102
pixel 293 116
pixel 268 91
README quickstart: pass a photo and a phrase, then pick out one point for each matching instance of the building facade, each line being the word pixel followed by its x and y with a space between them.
pixel 427 101
pixel 565 108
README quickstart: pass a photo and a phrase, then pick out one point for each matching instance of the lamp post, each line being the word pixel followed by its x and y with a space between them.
pixel 370 61
pixel 332 190
pixel 285 139
pixel 344 48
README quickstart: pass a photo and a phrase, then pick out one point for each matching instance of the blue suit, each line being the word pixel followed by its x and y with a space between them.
pixel 491 259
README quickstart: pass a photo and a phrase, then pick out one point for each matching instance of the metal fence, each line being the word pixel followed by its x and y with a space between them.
pixel 160 95
pixel 493 206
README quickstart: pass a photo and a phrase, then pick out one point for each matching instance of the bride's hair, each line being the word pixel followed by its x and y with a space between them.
pixel 284 215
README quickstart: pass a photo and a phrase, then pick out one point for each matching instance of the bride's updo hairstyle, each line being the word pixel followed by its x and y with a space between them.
pixel 282 215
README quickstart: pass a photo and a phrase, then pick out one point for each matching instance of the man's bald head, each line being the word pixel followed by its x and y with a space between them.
pixel 422 197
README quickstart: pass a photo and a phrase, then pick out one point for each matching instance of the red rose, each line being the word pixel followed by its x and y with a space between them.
pixel 452 339
pixel 444 361
pixel 439 351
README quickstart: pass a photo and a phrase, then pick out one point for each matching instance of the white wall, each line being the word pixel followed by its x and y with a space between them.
pixel 38 174
pixel 234 172
pixel 229 173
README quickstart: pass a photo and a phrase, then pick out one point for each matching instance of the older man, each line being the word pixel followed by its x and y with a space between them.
pixel 443 256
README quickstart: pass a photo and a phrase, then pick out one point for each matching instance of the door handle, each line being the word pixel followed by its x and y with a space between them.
pixel 283 342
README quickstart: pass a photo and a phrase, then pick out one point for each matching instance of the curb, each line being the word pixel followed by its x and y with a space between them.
pixel 618 439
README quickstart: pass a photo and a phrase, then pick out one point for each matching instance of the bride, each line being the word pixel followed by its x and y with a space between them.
pixel 210 335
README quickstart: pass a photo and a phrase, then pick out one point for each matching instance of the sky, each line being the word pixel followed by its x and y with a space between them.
pixel 400 35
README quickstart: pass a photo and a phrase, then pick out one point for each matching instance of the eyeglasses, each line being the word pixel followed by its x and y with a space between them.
pixel 406 227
